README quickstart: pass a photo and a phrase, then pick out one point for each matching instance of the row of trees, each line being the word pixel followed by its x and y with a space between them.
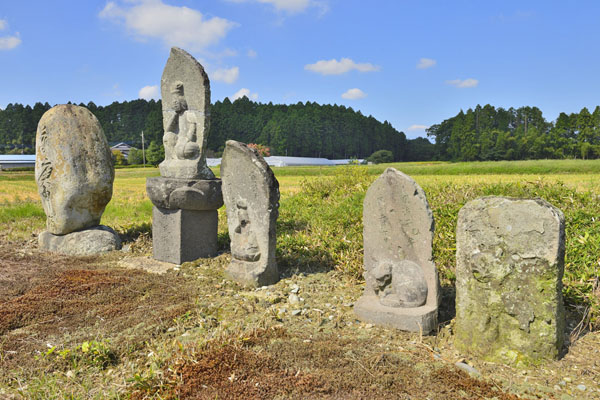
pixel 489 133
pixel 332 131
pixel 303 129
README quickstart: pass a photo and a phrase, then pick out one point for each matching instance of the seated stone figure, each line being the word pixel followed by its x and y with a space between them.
pixel 399 284
pixel 180 137
pixel 243 241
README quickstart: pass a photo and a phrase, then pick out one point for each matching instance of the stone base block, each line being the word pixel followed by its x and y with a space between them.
pixel 254 274
pixel 185 194
pixel 99 239
pixel 418 319
pixel 183 235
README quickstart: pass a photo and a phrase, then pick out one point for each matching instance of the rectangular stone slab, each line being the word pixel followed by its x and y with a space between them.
pixel 419 319
pixel 179 236
pixel 509 268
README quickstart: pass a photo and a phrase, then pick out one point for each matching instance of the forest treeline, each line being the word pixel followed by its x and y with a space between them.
pixel 334 132
pixel 489 133
pixel 302 129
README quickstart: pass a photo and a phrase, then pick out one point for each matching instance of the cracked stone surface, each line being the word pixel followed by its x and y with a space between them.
pixel 509 268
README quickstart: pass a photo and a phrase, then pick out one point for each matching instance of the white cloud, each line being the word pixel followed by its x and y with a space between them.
pixel 175 26
pixel 463 83
pixel 9 42
pixel 335 67
pixel 252 54
pixel 291 6
pixel 417 127
pixel 149 92
pixel 226 75
pixel 425 63
pixel 354 94
pixel 244 92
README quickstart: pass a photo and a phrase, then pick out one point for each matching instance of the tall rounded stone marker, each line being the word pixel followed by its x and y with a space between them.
pixel 185 92
pixel 187 195
pixel 74 173
pixel 401 279
pixel 251 194
pixel 509 268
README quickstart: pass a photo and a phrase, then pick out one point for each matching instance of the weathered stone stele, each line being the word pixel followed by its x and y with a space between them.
pixel 73 168
pixel 185 92
pixel 509 255
pixel 251 195
pixel 74 174
pixel 401 279
pixel 187 195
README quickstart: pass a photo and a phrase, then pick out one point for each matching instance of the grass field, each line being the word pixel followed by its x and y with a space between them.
pixel 130 335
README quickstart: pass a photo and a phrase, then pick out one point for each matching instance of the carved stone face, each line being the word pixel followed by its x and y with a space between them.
pixel 179 104
pixel 178 101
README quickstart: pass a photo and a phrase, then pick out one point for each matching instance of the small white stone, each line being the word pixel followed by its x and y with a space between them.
pixel 293 299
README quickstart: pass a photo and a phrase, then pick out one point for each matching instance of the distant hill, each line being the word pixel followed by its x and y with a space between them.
pixel 302 129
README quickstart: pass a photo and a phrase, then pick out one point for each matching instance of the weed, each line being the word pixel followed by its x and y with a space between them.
pixel 89 353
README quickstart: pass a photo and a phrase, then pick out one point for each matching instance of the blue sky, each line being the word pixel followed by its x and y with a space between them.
pixel 413 63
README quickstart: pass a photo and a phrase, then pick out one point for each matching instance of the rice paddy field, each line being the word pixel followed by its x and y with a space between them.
pixel 102 327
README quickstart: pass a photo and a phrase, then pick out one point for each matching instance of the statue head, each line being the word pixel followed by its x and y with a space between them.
pixel 178 100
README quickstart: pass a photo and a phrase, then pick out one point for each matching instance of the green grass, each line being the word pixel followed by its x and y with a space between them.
pixel 320 223
pixel 542 167
pixel 535 167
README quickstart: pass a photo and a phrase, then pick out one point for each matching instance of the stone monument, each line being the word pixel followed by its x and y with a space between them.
pixel 402 287
pixel 187 195
pixel 509 268
pixel 74 173
pixel 251 194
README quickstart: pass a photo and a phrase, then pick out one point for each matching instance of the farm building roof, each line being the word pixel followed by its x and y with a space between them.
pixel 17 158
pixel 284 161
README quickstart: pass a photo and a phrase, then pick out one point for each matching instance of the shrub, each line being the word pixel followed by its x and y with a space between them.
pixel 381 156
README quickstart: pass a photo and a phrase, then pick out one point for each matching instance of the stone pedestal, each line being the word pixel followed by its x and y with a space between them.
pixel 183 235
pixel 184 218
pixel 417 319
pixel 95 240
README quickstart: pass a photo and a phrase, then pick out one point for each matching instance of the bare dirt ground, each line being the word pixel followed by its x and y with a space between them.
pixel 190 334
